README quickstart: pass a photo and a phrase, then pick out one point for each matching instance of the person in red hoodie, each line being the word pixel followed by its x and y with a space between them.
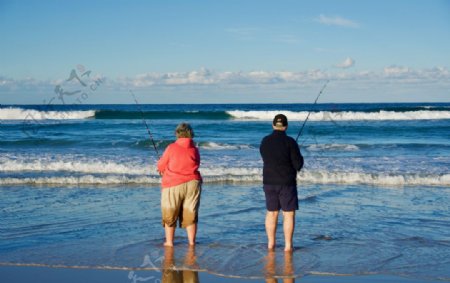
pixel 181 185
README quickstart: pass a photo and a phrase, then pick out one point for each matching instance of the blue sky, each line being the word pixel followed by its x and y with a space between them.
pixel 226 51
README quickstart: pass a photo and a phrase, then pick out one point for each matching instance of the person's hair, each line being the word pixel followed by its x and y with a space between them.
pixel 184 130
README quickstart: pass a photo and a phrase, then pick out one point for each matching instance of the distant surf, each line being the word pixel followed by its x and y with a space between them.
pixel 343 116
pixel 30 114
pixel 380 115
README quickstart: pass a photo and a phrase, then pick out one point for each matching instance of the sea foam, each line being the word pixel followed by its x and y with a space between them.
pixel 110 173
pixel 342 115
pixel 30 114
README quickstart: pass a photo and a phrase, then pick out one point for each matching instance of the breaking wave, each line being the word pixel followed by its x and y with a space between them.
pixel 343 115
pixel 69 172
pixel 221 146
pixel 333 147
pixel 32 114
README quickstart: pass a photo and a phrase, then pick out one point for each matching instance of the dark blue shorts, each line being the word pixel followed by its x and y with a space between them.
pixel 281 197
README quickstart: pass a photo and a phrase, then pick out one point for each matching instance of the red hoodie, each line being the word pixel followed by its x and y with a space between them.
pixel 179 163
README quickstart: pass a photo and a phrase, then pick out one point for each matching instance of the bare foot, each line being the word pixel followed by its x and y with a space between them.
pixel 166 244
pixel 288 249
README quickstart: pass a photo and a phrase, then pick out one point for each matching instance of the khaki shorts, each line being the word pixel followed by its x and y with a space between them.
pixel 181 203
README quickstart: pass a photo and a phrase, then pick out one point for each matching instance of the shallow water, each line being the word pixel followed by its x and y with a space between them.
pixel 340 230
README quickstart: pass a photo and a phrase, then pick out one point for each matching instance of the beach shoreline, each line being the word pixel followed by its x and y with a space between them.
pixel 22 274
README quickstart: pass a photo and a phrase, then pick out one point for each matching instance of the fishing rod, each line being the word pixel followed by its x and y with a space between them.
pixel 145 122
pixel 309 113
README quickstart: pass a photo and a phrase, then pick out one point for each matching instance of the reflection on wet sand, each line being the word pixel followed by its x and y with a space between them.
pixel 171 274
pixel 271 268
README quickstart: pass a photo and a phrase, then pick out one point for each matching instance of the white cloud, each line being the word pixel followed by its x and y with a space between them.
pixel 347 63
pixel 5 81
pixel 26 83
pixel 336 21
pixel 396 70
pixel 206 77
pixel 210 79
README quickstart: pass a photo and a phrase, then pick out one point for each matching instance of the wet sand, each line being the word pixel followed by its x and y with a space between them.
pixel 23 274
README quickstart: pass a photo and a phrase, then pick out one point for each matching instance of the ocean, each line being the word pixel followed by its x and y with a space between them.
pixel 80 189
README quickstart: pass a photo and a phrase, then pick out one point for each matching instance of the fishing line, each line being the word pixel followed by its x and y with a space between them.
pixel 145 122
pixel 309 113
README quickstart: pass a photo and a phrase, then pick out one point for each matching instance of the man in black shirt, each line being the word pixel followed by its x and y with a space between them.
pixel 282 160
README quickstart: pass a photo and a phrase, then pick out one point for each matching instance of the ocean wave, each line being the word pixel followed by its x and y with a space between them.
pixel 237 175
pixel 254 175
pixel 75 166
pixel 140 144
pixel 80 180
pixel 342 115
pixel 31 114
pixel 157 115
pixel 333 147
pixel 221 146
pixel 51 169
pixel 385 179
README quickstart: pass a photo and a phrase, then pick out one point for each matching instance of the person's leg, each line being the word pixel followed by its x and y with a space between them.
pixel 170 234
pixel 289 204
pixel 189 217
pixel 170 208
pixel 271 228
pixel 191 233
pixel 288 229
pixel 271 193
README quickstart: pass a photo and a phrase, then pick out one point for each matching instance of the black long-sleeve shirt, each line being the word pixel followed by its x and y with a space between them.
pixel 282 159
